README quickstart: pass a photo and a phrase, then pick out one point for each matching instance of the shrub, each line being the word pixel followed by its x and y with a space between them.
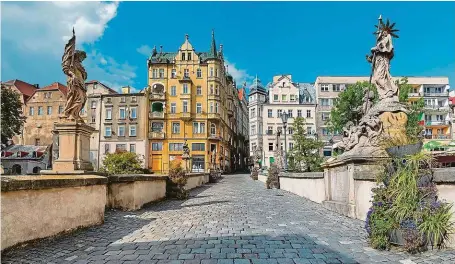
pixel 122 162
pixel 175 186
pixel 255 173
pixel 272 180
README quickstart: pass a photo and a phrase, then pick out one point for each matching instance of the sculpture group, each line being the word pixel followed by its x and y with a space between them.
pixel 385 119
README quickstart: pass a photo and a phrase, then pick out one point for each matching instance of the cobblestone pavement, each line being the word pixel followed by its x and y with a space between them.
pixel 235 221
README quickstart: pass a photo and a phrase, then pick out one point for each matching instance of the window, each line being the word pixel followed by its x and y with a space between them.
pixel 336 88
pixel 133 112
pixel 212 129
pixel 216 73
pixel 308 113
pixel 198 90
pixel 93 104
pixel 121 131
pixel 109 113
pixel 93 117
pixel 40 110
pixel 198 147
pixel 175 128
pixel 198 127
pixel 186 73
pixel 108 100
pixel 161 73
pixel 290 113
pixel 122 113
pixel 325 102
pixel 173 91
pixel 37 142
pixel 292 98
pixel 175 146
pixel 270 146
pixel 309 130
pixel 173 72
pixel 211 88
pixel 270 130
pixel 275 97
pixel 324 87
pixel 122 99
pixel 31 111
pixel 216 108
pixel 253 113
pixel 106 148
pixel 185 88
pixel 291 145
pixel 183 56
pixel 133 148
pixel 60 109
pixel 291 130
pixel 157 127
pixel 107 131
pixel 95 85
pixel 283 97
pixel 211 71
pixel 198 73
pixel 198 108
pixel 154 73
pixel 325 116
pixel 269 113
pixel 185 107
pixel 299 113
pixel 211 107
pixel 157 146
pixel 217 92
pixel 325 131
pixel 279 113
pixel 189 55
pixel 253 130
pixel 120 147
pixel 132 130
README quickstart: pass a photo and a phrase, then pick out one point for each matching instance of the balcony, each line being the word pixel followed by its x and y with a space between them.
pixel 154 96
pixel 156 135
pixel 185 116
pixel 156 115
pixel 186 96
pixel 230 97
pixel 213 116
pixel 435 94
pixel 439 136
pixel 437 108
pixel 437 123
pixel 214 78
pixel 324 107
pixel 215 137
pixel 230 113
pixel 214 97
pixel 185 79
pixel 414 95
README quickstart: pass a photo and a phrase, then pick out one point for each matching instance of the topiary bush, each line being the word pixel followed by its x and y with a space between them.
pixel 272 179
pixel 175 186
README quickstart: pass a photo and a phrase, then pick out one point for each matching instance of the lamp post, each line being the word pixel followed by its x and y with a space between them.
pixel 284 118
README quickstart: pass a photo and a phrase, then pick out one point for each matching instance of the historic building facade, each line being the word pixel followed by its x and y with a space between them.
pixel 256 100
pixel 294 99
pixel 434 91
pixel 191 99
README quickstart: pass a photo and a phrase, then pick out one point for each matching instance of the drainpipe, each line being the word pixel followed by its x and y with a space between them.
pixel 99 131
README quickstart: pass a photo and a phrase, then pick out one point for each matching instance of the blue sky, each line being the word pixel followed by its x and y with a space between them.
pixel 305 39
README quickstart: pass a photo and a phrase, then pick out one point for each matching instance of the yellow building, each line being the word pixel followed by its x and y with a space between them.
pixel 190 99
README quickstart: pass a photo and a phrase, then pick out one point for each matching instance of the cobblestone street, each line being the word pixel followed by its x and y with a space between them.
pixel 235 221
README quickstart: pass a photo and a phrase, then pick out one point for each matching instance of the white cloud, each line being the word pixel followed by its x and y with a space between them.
pixel 145 50
pixel 34 33
pixel 239 75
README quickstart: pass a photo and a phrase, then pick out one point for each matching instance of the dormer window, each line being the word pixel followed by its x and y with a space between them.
pixel 283 84
pixel 189 56
pixel 183 56
pixel 173 73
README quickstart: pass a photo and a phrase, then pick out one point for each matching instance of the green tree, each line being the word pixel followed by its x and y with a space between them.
pixel 413 128
pixel 305 154
pixel 121 162
pixel 11 116
pixel 348 106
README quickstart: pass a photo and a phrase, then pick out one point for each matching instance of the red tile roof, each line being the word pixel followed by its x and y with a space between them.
pixel 25 88
pixel 55 86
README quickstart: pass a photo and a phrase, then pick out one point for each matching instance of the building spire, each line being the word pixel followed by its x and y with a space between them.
pixel 213 52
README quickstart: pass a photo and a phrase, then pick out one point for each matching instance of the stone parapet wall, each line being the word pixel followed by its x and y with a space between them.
pixel 308 184
pixel 196 180
pixel 36 207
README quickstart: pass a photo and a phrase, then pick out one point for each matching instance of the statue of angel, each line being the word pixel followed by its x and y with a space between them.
pixel 73 68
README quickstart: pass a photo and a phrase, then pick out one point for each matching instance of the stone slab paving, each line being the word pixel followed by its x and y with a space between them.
pixel 235 221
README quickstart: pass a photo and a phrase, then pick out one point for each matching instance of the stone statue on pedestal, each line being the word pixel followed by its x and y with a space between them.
pixel 385 120
pixel 278 153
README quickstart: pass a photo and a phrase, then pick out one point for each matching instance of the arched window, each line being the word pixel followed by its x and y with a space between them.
pixel 212 129
pixel 16 169
pixel 36 170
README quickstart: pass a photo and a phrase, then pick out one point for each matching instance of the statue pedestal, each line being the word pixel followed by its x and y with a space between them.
pixel 74 148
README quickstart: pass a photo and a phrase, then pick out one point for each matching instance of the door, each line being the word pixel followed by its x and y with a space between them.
pixel 157 163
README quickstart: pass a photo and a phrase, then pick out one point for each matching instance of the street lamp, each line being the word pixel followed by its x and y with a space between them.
pixel 284 118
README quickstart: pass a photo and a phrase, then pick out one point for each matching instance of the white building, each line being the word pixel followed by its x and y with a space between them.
pixel 297 100
pixel 256 100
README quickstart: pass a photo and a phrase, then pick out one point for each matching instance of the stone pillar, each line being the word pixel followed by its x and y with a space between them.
pixel 74 148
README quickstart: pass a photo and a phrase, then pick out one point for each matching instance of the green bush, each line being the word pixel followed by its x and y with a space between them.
pixel 122 162
pixel 175 186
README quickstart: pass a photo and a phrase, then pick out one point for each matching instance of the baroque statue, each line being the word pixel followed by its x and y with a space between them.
pixel 278 153
pixel 73 68
pixel 386 118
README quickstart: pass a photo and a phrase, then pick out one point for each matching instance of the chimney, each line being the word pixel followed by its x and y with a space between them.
pixel 126 90
pixel 36 85
pixel 161 49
